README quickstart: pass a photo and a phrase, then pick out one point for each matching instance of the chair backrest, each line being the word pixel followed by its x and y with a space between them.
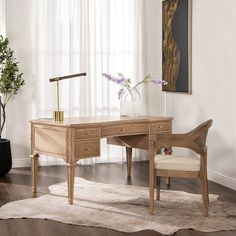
pixel 195 139
pixel 198 136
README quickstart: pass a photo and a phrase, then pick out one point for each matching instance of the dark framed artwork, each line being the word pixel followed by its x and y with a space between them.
pixel 177 45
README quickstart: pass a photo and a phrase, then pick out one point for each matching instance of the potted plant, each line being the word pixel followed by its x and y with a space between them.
pixel 10 82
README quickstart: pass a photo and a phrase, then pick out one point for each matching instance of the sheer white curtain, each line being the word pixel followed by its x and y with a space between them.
pixel 3 33
pixel 92 36
pixel 2 17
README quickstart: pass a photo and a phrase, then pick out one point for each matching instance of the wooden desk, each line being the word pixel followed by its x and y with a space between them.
pixel 79 138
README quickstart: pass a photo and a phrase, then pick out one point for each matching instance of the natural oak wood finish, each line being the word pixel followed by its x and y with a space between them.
pixel 151 154
pixel 160 127
pixel 49 140
pixel 70 181
pixel 87 133
pixel 124 129
pixel 77 138
pixel 87 148
pixel 34 170
pixel 129 160
pixel 195 140
pixel 137 141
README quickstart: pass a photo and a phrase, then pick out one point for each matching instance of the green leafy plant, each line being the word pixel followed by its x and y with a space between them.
pixel 10 78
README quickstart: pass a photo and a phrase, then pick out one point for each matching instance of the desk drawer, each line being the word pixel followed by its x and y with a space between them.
pixel 160 127
pixel 116 130
pixel 87 149
pixel 86 133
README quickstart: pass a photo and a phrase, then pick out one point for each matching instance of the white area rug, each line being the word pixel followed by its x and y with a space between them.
pixel 124 208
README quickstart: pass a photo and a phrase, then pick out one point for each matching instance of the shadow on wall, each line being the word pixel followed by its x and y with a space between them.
pixel 221 155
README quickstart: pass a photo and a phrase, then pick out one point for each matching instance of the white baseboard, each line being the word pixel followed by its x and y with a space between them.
pixel 222 179
pixel 24 162
pixel 16 163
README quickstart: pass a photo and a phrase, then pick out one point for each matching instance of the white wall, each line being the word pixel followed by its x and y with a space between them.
pixel 213 81
pixel 154 98
pixel 19 110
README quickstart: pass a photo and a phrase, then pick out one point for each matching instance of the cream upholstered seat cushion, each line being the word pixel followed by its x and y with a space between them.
pixel 171 162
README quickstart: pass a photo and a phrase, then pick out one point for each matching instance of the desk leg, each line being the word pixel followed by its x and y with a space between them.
pixel 129 160
pixel 70 180
pixel 34 171
pixel 151 154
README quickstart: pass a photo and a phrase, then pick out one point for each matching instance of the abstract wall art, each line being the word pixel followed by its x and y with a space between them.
pixel 176 45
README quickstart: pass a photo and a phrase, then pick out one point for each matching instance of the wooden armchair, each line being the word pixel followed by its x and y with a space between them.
pixel 184 166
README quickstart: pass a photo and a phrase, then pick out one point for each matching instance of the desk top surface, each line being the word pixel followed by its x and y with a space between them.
pixel 100 120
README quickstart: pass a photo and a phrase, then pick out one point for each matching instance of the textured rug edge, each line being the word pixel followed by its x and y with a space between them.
pixel 122 231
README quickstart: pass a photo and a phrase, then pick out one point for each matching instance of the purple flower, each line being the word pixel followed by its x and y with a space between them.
pixel 157 81
pixel 109 77
pixel 118 80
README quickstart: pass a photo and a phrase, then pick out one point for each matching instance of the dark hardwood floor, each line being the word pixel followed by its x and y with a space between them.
pixel 17 185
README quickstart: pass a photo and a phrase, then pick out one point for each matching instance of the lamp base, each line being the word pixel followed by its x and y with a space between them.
pixel 58 116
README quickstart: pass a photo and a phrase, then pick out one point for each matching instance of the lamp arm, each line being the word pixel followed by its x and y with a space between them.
pixel 67 77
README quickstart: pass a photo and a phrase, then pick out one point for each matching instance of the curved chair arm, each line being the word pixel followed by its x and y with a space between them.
pixel 195 139
pixel 172 140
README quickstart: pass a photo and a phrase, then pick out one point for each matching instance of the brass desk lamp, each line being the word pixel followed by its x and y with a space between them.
pixel 58 116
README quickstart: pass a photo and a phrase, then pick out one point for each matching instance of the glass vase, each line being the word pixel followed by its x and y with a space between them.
pixel 130 103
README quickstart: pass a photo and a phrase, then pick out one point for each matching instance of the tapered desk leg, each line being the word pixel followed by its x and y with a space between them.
pixel 70 180
pixel 34 171
pixel 129 160
pixel 151 154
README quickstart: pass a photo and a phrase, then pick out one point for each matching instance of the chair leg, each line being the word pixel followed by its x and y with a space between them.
pixel 158 186
pixel 168 181
pixel 206 179
pixel 168 151
pixel 203 182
